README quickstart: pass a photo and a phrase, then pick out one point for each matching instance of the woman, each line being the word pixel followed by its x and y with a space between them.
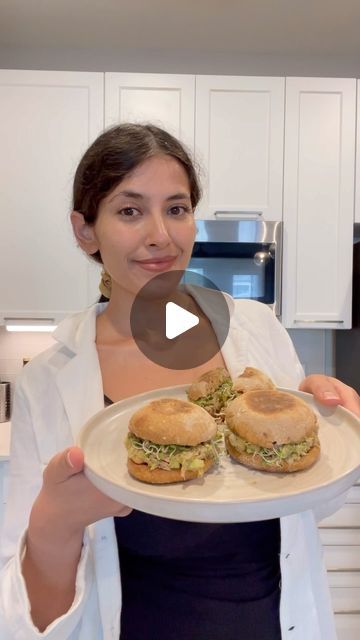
pixel 135 192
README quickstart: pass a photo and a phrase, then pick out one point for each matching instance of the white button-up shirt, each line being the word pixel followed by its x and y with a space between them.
pixel 57 392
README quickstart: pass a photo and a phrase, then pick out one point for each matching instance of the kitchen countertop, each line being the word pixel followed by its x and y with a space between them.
pixel 4 440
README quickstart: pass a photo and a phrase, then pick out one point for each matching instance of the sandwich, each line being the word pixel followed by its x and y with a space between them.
pixel 215 389
pixel 171 440
pixel 252 379
pixel 212 391
pixel 272 430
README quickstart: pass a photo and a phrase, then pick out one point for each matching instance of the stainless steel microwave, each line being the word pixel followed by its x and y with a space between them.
pixel 241 257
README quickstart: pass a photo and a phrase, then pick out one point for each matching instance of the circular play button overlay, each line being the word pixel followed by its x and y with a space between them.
pixel 180 319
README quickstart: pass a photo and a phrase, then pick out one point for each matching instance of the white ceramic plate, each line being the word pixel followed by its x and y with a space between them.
pixel 230 492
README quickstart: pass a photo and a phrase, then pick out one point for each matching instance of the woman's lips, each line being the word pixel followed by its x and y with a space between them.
pixel 157 264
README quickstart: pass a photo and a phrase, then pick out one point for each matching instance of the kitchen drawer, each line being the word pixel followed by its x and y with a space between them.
pixel 354 494
pixel 345 591
pixel 341 557
pixel 4 467
pixel 347 626
pixel 345 599
pixel 350 578
pixel 3 488
pixel 340 536
pixel 347 516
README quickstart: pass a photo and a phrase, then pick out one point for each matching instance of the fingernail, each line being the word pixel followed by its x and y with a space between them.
pixel 330 395
pixel 69 459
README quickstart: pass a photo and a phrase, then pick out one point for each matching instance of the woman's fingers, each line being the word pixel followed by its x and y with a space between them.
pixel 322 388
pixel 63 465
pixel 331 391
pixel 349 397
pixel 75 459
pixel 66 487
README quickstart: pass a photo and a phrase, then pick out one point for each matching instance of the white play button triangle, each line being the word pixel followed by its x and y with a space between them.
pixel 178 320
pixel 155 310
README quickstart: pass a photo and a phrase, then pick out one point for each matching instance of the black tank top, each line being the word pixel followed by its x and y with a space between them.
pixel 194 581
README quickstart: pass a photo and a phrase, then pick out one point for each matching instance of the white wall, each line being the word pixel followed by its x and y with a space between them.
pixel 315 348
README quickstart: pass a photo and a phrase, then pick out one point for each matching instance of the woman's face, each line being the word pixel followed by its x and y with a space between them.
pixel 145 226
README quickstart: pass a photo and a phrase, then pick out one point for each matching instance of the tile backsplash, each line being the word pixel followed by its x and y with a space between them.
pixel 16 346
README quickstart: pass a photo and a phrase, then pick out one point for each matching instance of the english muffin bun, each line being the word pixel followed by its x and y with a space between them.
pixel 208 383
pixel 272 430
pixel 172 421
pixel 270 417
pixel 171 440
pixel 252 379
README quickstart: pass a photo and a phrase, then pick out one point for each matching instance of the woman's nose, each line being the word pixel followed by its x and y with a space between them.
pixel 157 232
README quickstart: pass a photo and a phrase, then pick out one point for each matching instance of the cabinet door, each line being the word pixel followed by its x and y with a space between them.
pixel 239 134
pixel 318 202
pixel 164 100
pixel 357 186
pixel 347 626
pixel 4 470
pixel 47 120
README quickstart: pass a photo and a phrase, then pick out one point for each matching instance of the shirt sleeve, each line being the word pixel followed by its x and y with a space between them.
pixel 25 480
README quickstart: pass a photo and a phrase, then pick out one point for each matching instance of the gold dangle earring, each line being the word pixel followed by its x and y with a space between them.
pixel 105 284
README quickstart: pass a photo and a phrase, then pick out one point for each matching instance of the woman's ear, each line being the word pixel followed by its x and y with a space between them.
pixel 84 233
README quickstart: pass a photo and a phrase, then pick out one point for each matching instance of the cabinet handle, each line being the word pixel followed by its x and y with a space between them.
pixel 251 215
pixel 320 321
pixel 346 613
pixel 342 569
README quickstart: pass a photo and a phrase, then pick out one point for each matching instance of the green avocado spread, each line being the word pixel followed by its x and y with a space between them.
pixel 171 456
pixel 277 454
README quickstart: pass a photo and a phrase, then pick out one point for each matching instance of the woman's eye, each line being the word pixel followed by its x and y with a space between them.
pixel 178 210
pixel 129 212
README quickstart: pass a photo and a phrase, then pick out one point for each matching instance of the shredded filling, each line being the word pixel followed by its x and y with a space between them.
pixel 215 402
pixel 171 456
pixel 276 455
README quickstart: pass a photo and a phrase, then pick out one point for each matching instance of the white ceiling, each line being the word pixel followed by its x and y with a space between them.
pixel 319 27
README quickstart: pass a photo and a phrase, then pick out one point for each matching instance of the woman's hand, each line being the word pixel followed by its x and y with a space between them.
pixel 68 501
pixel 331 391
pixel 66 504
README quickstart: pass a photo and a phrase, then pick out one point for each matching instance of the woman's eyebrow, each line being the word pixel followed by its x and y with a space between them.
pixel 179 196
pixel 127 194
pixel 140 196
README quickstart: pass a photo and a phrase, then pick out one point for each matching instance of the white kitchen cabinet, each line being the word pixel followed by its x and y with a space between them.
pixel 166 100
pixel 234 124
pixel 239 137
pixel 347 626
pixel 47 120
pixel 4 474
pixel 319 167
pixel 357 183
pixel 340 536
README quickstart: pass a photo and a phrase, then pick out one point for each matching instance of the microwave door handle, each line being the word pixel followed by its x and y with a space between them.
pixel 235 215
pixel 319 321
